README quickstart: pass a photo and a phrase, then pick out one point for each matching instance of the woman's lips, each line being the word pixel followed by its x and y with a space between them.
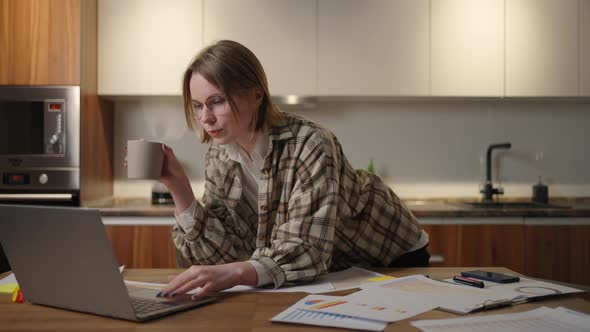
pixel 215 132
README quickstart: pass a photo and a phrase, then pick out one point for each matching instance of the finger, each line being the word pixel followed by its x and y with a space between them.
pixel 124 148
pixel 204 291
pixel 189 286
pixel 181 279
pixel 171 277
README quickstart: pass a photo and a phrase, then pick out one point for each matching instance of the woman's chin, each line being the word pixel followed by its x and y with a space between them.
pixel 221 140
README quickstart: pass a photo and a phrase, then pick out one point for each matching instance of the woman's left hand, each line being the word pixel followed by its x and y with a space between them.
pixel 211 278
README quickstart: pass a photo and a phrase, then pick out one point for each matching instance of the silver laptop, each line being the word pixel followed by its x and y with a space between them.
pixel 63 258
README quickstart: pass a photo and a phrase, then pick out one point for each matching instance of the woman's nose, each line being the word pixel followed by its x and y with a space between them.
pixel 208 116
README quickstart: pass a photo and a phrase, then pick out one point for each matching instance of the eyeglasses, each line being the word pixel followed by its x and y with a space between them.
pixel 215 104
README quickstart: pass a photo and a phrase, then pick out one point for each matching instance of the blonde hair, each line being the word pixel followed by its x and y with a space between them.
pixel 231 67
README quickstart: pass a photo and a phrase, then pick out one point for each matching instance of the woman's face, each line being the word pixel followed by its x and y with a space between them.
pixel 213 112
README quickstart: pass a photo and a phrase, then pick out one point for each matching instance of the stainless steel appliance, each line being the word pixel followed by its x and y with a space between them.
pixel 40 144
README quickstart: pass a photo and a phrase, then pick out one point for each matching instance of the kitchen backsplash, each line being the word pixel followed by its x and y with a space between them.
pixel 424 149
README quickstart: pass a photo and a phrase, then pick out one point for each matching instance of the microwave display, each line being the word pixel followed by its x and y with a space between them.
pixel 31 127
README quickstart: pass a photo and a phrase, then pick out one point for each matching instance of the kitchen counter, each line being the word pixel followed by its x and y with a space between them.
pixel 435 208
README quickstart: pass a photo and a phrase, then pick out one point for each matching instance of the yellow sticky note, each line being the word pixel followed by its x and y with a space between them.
pixel 8 288
pixel 382 278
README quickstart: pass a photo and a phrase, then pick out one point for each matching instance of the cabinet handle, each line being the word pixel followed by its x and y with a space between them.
pixel 436 258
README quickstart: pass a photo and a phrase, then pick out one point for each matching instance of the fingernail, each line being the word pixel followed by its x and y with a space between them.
pixel 159 294
pixel 173 294
pixel 164 294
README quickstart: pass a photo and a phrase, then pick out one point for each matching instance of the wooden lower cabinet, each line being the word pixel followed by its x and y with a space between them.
pixel 477 245
pixel 559 253
pixel 552 252
pixel 143 247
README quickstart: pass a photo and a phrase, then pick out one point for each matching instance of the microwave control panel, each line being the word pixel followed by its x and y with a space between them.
pixel 54 127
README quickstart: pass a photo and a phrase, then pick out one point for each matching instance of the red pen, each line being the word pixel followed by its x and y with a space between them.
pixel 469 281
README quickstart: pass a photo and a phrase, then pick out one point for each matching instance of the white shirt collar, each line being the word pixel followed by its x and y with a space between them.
pixel 236 153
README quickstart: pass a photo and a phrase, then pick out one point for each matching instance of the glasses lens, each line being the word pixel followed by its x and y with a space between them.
pixel 215 105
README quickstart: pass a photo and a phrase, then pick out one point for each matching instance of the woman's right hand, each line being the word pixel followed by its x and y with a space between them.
pixel 174 178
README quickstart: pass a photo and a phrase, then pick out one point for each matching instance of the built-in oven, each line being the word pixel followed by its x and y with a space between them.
pixel 40 144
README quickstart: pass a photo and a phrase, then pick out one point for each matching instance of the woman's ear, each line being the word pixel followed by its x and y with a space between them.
pixel 258 96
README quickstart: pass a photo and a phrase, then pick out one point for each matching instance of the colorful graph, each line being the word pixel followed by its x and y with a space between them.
pixel 328 304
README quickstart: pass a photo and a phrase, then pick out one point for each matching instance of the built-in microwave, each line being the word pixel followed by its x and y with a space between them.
pixel 40 144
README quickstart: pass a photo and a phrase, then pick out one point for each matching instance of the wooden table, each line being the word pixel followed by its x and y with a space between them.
pixel 235 312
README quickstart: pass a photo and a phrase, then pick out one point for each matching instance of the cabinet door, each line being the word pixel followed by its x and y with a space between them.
pixel 585 48
pixel 144 46
pixel 39 42
pixel 542 48
pixel 559 253
pixel 478 245
pixel 281 33
pixel 579 257
pixel 444 244
pixel 373 48
pixel 548 252
pixel 143 247
pixel 467 48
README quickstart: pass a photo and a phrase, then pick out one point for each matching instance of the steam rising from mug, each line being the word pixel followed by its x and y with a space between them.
pixel 164 118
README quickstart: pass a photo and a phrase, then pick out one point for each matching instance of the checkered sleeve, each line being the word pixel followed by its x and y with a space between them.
pixel 212 239
pixel 301 248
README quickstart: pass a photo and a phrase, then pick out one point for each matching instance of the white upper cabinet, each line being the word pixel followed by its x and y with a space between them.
pixel 373 47
pixel 281 33
pixel 467 46
pixel 542 48
pixel 144 46
pixel 585 48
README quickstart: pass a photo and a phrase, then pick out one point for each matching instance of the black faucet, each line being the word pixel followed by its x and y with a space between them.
pixel 488 190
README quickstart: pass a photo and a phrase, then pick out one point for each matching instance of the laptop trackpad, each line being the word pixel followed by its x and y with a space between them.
pixel 150 293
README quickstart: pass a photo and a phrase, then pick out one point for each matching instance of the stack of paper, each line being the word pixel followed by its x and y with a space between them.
pixel 368 309
pixel 462 299
pixel 517 292
pixel 538 320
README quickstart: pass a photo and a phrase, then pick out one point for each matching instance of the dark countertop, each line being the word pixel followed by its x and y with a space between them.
pixel 429 208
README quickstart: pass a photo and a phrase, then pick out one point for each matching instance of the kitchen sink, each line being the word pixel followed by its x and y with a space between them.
pixel 514 205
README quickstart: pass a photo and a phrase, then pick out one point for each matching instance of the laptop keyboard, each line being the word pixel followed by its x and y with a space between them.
pixel 145 306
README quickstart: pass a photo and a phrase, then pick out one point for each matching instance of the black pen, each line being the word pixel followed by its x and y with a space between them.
pixel 469 281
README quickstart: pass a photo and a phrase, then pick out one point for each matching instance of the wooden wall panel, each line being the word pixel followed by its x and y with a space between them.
pixel 39 42
pixel 97 118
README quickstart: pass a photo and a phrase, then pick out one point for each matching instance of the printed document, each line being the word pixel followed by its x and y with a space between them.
pixel 538 320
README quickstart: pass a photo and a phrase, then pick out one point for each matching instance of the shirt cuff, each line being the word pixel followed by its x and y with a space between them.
pixel 422 242
pixel 264 277
pixel 186 219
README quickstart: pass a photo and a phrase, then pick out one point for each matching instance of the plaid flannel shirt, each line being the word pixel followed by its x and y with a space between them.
pixel 315 211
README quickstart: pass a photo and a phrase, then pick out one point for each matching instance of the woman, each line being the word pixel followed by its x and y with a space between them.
pixel 281 202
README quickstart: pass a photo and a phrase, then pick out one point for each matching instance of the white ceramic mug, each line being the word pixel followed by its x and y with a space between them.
pixel 144 159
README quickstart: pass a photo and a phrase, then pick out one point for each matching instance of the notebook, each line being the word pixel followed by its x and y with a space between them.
pixel 62 258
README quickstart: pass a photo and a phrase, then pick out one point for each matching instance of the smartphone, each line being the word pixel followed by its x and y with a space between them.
pixel 491 276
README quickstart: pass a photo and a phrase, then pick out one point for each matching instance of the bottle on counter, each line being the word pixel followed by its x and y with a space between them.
pixel 540 192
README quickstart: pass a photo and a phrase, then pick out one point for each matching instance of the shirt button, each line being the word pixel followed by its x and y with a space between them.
pixel 263 207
